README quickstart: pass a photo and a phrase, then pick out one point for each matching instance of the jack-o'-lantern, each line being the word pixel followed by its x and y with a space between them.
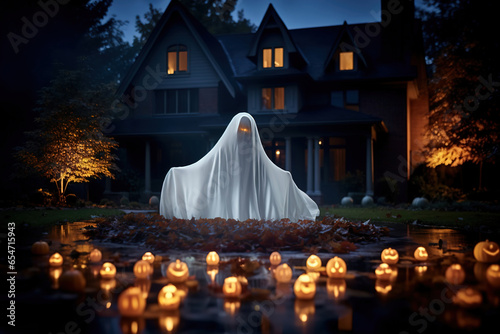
pixel 336 267
pixel 336 288
pixel 487 251
pixel 304 309
pixel 304 287
pixel 493 275
pixel 420 254
pixel 231 306
pixel 142 269
pixel 384 272
pixel 95 256
pixel 168 299
pixel 313 263
pixel 56 260
pixel 132 325
pixel 148 256
pixel 108 270
pixel 231 287
pixel 131 303
pixel 72 280
pixel 40 248
pixel 383 286
pixel 212 258
pixel 168 321
pixel 468 297
pixel 275 258
pixel 455 274
pixel 390 256
pixel 283 273
pixel 177 272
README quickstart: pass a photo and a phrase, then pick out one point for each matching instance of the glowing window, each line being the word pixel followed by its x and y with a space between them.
pixel 267 58
pixel 273 98
pixel 278 57
pixel 272 58
pixel 346 61
pixel 177 59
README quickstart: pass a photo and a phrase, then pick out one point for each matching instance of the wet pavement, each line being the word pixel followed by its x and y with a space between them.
pixel 417 298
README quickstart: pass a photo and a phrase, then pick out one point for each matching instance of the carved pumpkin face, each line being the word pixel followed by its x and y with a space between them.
pixel 390 256
pixel 283 273
pixel 213 259
pixel 487 251
pixel 275 258
pixel 313 263
pixel 131 303
pixel 168 299
pixel 148 256
pixel 95 256
pixel 336 288
pixel 336 267
pixel 383 272
pixel 108 270
pixel 142 269
pixel 232 287
pixel 420 254
pixel 468 297
pixel 40 248
pixel 177 272
pixel 493 275
pixel 304 287
pixel 56 260
pixel 455 274
pixel 72 281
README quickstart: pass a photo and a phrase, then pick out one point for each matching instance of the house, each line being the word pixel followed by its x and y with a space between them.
pixel 342 107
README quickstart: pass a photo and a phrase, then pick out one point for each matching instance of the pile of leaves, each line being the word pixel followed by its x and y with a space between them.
pixel 331 234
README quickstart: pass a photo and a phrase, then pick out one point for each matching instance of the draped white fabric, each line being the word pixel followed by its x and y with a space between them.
pixel 235 180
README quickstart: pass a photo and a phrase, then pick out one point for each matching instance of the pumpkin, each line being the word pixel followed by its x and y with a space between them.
pixel 95 256
pixel 304 287
pixel 275 258
pixel 131 303
pixel 283 273
pixel 389 256
pixel 177 272
pixel 420 254
pixel 336 267
pixel 336 288
pixel 487 251
pixel 231 287
pixel 455 274
pixel 142 269
pixel 56 260
pixel 72 281
pixel 148 256
pixel 108 270
pixel 383 272
pixel 313 263
pixel 40 248
pixel 168 299
pixel 468 297
pixel 212 258
pixel 493 275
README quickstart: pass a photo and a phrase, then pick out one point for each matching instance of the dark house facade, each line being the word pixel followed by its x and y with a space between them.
pixel 343 107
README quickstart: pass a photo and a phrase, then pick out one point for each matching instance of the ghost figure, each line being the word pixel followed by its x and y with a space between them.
pixel 235 180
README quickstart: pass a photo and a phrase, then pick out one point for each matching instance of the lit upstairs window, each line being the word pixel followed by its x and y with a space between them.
pixel 177 59
pixel 273 98
pixel 346 61
pixel 272 58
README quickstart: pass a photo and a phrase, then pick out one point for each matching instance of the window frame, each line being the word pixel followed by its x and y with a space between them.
pixel 191 100
pixel 178 50
pixel 273 98
pixel 340 62
pixel 273 57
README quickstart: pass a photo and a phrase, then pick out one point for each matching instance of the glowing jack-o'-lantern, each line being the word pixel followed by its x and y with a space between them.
pixel 168 321
pixel 455 274
pixel 304 287
pixel 108 270
pixel 142 269
pixel 383 272
pixel 468 297
pixel 275 258
pixel 40 248
pixel 131 303
pixel 420 254
pixel 493 275
pixel 177 272
pixel 383 286
pixel 148 256
pixel 304 309
pixel 389 256
pixel 336 288
pixel 231 287
pixel 95 256
pixel 336 267
pixel 56 260
pixel 168 299
pixel 212 258
pixel 313 263
pixel 487 251
pixel 283 273
pixel 72 281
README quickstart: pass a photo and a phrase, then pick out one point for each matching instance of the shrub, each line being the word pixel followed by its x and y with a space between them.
pixel 124 201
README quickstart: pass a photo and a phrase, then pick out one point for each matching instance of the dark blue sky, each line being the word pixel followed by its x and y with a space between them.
pixel 294 13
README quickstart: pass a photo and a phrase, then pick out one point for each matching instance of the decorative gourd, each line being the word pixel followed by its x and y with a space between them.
pixel 304 287
pixel 336 267
pixel 455 274
pixel 212 258
pixel 336 288
pixel 142 269
pixel 493 275
pixel 40 248
pixel 231 287
pixel 420 254
pixel 275 258
pixel 313 263
pixel 468 297
pixel 131 303
pixel 389 256
pixel 168 299
pixel 383 272
pixel 108 270
pixel 56 260
pixel 148 256
pixel 283 273
pixel 95 256
pixel 487 251
pixel 72 280
pixel 177 272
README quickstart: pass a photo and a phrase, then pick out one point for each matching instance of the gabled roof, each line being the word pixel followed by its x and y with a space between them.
pixel 340 44
pixel 212 49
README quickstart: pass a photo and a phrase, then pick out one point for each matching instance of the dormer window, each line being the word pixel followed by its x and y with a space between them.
pixel 346 61
pixel 272 58
pixel 177 59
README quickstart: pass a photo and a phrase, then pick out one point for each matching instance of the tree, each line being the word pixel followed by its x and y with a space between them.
pixel 463 86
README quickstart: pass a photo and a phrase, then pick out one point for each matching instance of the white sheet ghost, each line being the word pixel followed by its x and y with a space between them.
pixel 235 179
